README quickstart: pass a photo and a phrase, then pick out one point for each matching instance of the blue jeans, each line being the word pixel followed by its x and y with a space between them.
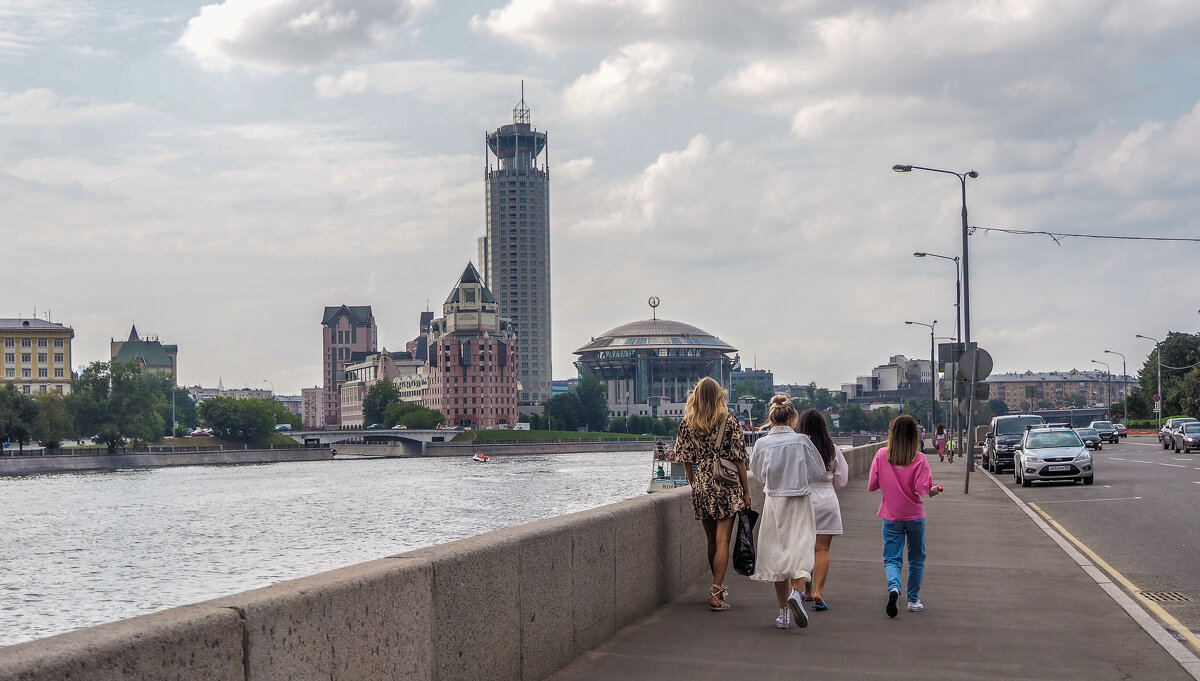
pixel 895 532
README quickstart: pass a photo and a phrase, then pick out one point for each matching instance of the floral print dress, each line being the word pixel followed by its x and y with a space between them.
pixel 711 500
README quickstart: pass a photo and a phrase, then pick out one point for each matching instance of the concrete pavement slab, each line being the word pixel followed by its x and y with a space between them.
pixel 1003 601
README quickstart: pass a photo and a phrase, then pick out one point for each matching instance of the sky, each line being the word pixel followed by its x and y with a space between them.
pixel 218 173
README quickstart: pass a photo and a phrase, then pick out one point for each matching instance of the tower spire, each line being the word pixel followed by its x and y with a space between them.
pixel 521 111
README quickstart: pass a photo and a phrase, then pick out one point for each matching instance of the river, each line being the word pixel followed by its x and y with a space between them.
pixel 83 549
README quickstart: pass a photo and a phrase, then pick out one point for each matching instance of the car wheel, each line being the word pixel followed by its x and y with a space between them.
pixel 1025 482
pixel 1176 448
pixel 1089 480
pixel 1165 445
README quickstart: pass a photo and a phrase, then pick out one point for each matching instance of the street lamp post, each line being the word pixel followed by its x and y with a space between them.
pixel 1124 393
pixel 954 418
pixel 1107 386
pixel 1158 354
pixel 932 383
pixel 966 306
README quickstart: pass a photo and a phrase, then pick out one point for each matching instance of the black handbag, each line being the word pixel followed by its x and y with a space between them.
pixel 743 542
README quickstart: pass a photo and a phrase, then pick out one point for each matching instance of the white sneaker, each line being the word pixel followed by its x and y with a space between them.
pixel 784 621
pixel 915 606
pixel 797 607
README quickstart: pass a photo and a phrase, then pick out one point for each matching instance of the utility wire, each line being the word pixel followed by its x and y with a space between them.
pixel 1056 236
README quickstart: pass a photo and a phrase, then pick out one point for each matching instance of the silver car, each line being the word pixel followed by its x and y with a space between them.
pixel 1052 454
pixel 1186 436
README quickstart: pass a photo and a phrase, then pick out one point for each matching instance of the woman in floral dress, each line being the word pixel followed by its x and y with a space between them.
pixel 714 503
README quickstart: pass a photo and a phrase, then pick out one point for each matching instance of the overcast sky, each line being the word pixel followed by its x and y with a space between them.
pixel 217 173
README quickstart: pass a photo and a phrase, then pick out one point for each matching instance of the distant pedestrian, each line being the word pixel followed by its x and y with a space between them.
pixel 826 509
pixel 940 439
pixel 902 474
pixel 921 430
pixel 709 431
pixel 786 462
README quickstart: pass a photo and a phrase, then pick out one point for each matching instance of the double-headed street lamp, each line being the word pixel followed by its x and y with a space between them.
pixel 1124 393
pixel 1107 388
pixel 966 303
pixel 932 373
pixel 1158 354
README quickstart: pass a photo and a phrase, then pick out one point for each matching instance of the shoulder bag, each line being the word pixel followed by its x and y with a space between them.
pixel 725 470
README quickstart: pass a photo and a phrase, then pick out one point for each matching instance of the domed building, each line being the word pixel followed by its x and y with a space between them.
pixel 649 366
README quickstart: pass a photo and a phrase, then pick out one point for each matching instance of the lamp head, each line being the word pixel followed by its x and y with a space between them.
pixel 908 322
pixel 919 254
pixel 902 169
pixel 972 174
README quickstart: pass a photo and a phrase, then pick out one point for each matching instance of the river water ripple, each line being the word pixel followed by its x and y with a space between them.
pixel 83 549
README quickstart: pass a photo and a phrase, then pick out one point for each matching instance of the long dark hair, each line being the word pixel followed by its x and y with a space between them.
pixel 903 440
pixel 812 423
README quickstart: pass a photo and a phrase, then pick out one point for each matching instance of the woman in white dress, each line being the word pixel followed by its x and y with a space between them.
pixel 826 509
pixel 785 461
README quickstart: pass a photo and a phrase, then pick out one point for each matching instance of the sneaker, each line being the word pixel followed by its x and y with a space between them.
pixel 797 607
pixel 915 606
pixel 893 596
pixel 784 621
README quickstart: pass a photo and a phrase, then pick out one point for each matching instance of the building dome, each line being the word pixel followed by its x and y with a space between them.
pixel 655 333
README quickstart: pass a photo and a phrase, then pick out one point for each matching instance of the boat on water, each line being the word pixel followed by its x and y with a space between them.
pixel 666 475
pixel 480 458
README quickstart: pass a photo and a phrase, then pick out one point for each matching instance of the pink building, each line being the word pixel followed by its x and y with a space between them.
pixel 346 329
pixel 472 358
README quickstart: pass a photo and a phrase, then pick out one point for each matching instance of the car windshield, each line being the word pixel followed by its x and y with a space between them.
pixel 1102 424
pixel 1191 427
pixel 1086 431
pixel 1017 425
pixel 1053 440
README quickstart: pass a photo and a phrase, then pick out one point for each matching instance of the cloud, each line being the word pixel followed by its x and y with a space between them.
pixel 437 81
pixel 26 24
pixel 636 74
pixel 292 35
pixel 42 108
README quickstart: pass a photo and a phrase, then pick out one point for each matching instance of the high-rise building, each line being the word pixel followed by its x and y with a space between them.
pixel 472 354
pixel 516 250
pixel 312 408
pixel 345 330
pixel 37 355
pixel 148 352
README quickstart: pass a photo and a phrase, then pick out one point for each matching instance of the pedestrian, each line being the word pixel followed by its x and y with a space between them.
pixel 921 429
pixel 902 474
pixel 826 509
pixel 709 431
pixel 786 461
pixel 940 439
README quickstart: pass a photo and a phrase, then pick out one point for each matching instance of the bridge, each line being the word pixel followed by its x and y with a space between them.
pixel 413 441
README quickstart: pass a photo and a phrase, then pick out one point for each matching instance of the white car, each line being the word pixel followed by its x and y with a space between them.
pixel 1055 453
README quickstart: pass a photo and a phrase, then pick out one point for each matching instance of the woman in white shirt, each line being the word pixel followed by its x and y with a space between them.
pixel 826 509
pixel 785 461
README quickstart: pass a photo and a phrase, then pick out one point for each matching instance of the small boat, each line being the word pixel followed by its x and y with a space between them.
pixel 666 475
pixel 480 457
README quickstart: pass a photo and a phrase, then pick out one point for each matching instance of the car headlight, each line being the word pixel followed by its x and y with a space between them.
pixel 1083 456
pixel 1030 458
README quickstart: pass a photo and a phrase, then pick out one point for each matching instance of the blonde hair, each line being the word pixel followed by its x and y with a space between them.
pixel 782 411
pixel 705 406
pixel 903 440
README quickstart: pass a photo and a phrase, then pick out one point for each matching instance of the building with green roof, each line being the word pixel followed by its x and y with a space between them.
pixel 149 353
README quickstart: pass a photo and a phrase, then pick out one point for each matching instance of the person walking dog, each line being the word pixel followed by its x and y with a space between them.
pixel 708 432
pixel 901 472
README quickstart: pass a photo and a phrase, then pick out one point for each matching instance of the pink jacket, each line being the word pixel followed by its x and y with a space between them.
pixel 902 486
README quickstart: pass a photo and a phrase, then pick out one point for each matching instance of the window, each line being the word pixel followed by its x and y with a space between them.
pixel 42 373
pixel 24 342
pixel 26 357
pixel 25 373
pixel 58 357
pixel 25 389
pixel 41 388
pixel 10 357
pixel 41 357
pixel 8 342
pixel 41 342
pixel 10 373
pixel 58 343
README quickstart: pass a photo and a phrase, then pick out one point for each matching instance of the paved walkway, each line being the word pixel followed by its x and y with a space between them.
pixel 1003 601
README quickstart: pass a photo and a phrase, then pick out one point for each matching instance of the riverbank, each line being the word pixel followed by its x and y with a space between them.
pixel 82 463
pixel 495 448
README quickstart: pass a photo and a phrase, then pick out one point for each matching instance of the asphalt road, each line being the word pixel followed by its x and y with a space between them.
pixel 1142 517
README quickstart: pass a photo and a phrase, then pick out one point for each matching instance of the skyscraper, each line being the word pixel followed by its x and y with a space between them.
pixel 346 329
pixel 516 249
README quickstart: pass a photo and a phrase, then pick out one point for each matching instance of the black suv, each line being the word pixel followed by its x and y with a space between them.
pixel 1003 436
pixel 1106 430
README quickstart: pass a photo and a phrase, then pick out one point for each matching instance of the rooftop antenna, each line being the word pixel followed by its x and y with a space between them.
pixel 521 111
pixel 654 303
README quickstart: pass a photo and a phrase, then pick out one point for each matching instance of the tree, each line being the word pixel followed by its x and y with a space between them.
pixel 163 386
pixel 1178 350
pixel 881 418
pixel 379 396
pixel 281 414
pixel 998 406
pixel 18 416
pixel 53 423
pixel 1188 393
pixel 422 418
pixel 232 418
pixel 852 417
pixel 563 411
pixel 593 402
pixel 113 402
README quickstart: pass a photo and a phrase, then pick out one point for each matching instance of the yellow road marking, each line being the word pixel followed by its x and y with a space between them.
pixel 1150 605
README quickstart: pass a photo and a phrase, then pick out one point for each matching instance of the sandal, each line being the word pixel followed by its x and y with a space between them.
pixel 718 593
pixel 820 606
pixel 805 597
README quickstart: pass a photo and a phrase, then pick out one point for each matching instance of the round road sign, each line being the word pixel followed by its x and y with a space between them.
pixel 982 361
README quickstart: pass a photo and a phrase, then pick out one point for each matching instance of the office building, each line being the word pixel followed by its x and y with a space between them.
pixel 346 329
pixel 36 355
pixel 516 250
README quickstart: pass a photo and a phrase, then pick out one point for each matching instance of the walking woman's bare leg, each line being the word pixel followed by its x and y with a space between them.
pixel 782 590
pixel 720 557
pixel 821 568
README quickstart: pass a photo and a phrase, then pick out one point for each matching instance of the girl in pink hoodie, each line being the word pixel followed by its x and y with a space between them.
pixel 902 473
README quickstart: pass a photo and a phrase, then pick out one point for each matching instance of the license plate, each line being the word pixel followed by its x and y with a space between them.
pixel 1055 469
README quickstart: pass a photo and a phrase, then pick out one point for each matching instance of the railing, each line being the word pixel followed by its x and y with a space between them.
pixel 153 449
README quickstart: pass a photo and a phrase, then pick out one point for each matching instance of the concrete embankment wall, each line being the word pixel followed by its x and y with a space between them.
pixel 502 448
pixel 515 604
pixel 33 465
